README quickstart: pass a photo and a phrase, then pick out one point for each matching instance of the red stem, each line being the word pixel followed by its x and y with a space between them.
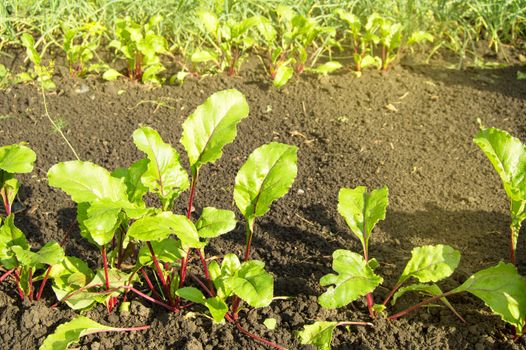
pixel 147 297
pixel 128 329
pixel 206 289
pixel 391 293
pixel 6 274
pixel 159 272
pixel 105 263
pixel 30 284
pixel 417 306
pixel 150 284
pixel 249 227
pixel 7 206
pixel 43 284
pixel 20 291
pixel 184 260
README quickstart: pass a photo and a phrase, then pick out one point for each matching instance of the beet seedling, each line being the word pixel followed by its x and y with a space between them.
pixel 229 40
pixel 80 44
pixel 43 74
pixel 508 156
pixel 500 287
pixel 142 46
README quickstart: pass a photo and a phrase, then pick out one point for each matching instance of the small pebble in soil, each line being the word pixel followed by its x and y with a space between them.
pixel 193 344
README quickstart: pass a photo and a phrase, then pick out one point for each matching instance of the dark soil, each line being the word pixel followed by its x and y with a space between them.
pixel 410 129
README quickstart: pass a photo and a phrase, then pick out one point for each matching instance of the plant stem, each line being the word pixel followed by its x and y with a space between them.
pixel 512 245
pixel 43 284
pixel 7 206
pixel 105 263
pixel 206 289
pixel 391 293
pixel 369 296
pixel 184 260
pixel 20 291
pixel 159 272
pixel 6 274
pixel 30 284
pixel 150 284
pixel 128 329
pixel 147 297
pixel 417 306
pixel 249 229
pixel 55 125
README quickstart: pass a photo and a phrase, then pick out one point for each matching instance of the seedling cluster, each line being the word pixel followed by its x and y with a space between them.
pixel 159 255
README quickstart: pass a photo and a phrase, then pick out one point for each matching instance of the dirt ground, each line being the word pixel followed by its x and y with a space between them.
pixel 410 129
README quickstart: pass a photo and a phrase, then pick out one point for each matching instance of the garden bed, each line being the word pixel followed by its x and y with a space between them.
pixel 410 129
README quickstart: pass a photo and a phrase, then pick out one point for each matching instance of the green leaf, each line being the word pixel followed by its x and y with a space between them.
pixel 168 250
pixel 431 263
pixel 212 126
pixel 508 156
pixel 283 74
pixel 501 288
pixel 160 226
pixel 111 74
pixel 29 43
pixel 266 176
pixel 17 158
pixel 10 186
pixel 230 265
pixel 215 222
pixel 86 182
pixel 355 279
pixel 70 332
pixel 252 284
pixel 164 175
pixel 521 75
pixel 50 254
pixel 326 68
pixel 209 21
pixel 191 294
pixel 10 236
pixel 419 37
pixel 101 221
pixel 132 179
pixel 204 55
pixel 68 276
pixel 150 74
pixel 362 210
pixel 217 307
pixel 270 323
pixel 318 334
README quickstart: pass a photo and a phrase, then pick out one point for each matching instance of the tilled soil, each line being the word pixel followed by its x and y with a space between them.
pixel 410 129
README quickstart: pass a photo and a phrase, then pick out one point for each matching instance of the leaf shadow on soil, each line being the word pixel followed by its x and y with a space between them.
pixel 500 80
pixel 481 236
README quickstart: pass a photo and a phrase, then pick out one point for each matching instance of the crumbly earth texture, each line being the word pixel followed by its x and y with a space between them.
pixel 410 129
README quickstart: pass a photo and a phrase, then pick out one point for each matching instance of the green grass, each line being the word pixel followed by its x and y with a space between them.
pixel 457 25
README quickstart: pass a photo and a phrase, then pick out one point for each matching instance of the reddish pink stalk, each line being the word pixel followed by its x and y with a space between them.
pixel 417 306
pixel 150 284
pixel 6 274
pixel 7 206
pixel 105 263
pixel 160 274
pixel 20 291
pixel 259 339
pixel 43 284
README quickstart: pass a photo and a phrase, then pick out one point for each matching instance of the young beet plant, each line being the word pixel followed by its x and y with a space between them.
pixel 155 245
pixel 23 266
pixel 508 156
pixel 40 73
pixel 500 287
pixel 229 40
pixel 80 44
pixel 142 46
